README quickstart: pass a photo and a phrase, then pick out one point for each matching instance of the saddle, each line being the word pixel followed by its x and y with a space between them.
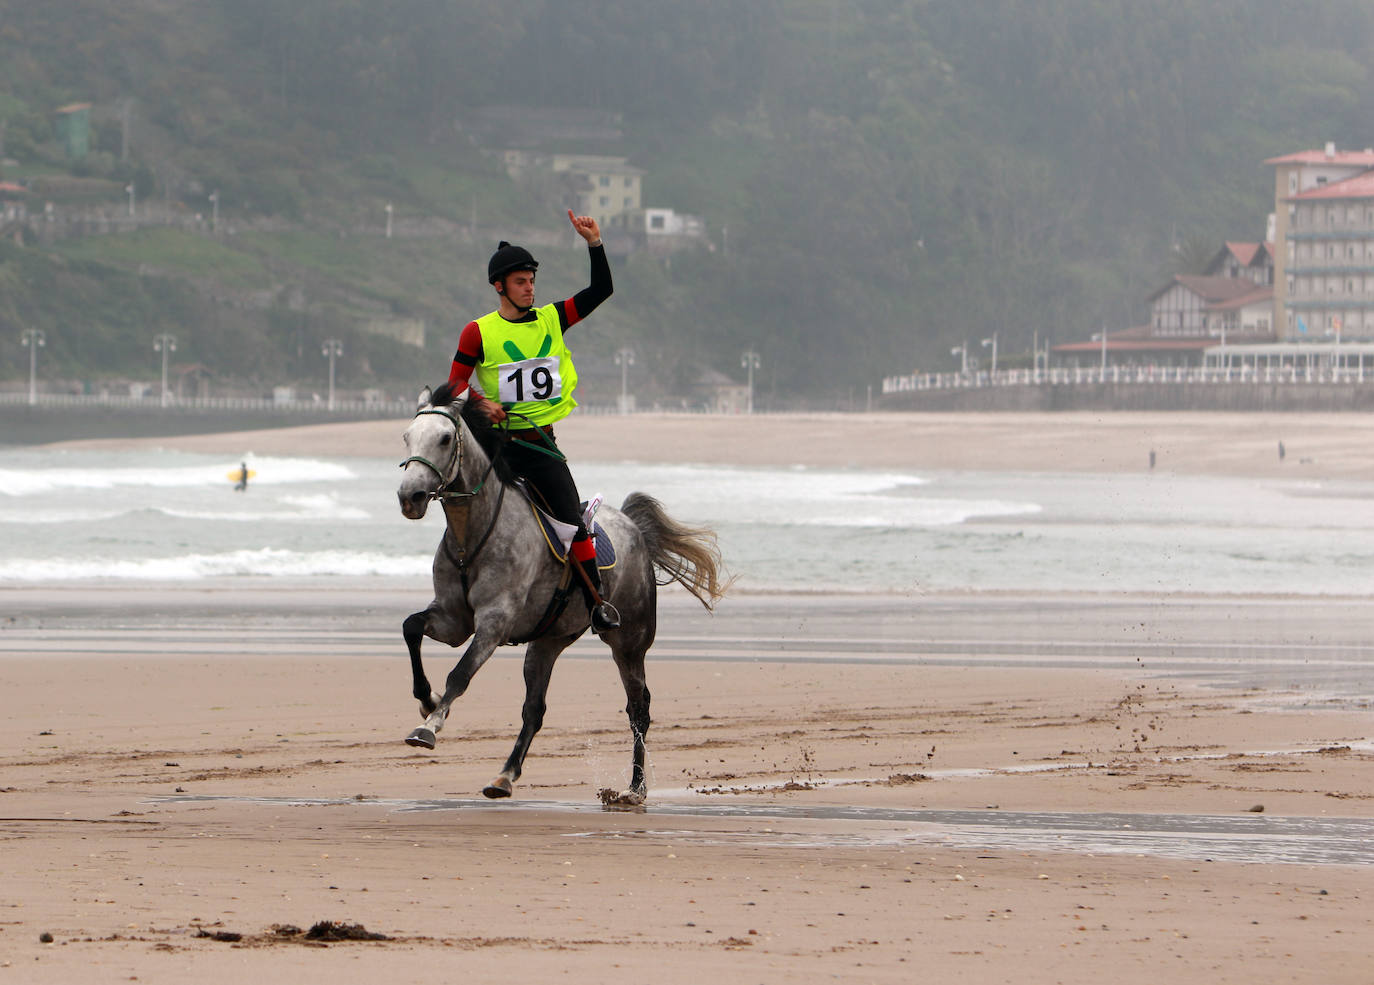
pixel 558 536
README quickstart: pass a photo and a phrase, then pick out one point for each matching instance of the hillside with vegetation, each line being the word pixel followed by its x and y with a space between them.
pixel 880 179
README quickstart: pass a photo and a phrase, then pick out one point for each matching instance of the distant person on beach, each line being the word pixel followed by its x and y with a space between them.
pixel 1281 451
pixel 519 356
pixel 242 484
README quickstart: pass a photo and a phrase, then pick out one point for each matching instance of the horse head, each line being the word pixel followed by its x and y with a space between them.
pixel 434 446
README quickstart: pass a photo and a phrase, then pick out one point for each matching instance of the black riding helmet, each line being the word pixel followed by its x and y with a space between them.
pixel 507 259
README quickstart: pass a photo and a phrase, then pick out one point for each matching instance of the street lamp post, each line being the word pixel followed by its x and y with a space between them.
pixel 750 361
pixel 388 220
pixel 624 358
pixel 214 211
pixel 333 348
pixel 1103 336
pixel 164 344
pixel 992 342
pixel 35 340
pixel 962 352
pixel 130 189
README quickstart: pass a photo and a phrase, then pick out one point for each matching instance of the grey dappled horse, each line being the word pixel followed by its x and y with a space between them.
pixel 494 576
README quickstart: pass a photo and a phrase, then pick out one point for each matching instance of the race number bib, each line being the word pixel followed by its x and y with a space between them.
pixel 530 379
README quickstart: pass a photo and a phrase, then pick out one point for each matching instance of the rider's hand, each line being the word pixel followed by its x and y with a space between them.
pixel 586 227
pixel 494 411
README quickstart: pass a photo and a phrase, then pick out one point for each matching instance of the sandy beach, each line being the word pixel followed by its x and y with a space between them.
pixel 851 789
pixel 1314 445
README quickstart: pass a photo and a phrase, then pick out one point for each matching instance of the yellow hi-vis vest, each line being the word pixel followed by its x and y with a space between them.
pixel 527 367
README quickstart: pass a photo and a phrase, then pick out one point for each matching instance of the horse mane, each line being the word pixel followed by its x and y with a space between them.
pixel 490 438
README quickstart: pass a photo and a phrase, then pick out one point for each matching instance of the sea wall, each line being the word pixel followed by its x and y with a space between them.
pixel 1234 397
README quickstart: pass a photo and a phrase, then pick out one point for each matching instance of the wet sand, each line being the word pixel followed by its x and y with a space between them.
pixel 188 769
pixel 202 765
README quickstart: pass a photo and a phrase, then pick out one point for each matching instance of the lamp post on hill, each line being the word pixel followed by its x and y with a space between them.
pixel 624 358
pixel 35 340
pixel 962 352
pixel 130 189
pixel 388 220
pixel 214 211
pixel 164 344
pixel 333 348
pixel 750 361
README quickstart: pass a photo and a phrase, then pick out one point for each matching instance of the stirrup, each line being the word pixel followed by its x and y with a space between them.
pixel 604 618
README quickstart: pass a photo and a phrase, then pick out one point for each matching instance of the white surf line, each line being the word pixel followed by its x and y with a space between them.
pixel 978 772
pixel 1100 660
pixel 851 641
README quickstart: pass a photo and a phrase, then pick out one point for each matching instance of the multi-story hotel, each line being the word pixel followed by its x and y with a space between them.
pixel 1324 244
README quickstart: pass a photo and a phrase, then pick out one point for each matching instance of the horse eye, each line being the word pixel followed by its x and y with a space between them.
pixel 445 439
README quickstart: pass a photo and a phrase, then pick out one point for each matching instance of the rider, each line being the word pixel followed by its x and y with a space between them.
pixel 520 357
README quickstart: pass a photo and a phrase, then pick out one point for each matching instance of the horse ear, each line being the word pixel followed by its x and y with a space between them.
pixel 425 395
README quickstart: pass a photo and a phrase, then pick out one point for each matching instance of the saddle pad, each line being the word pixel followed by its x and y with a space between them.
pixel 605 550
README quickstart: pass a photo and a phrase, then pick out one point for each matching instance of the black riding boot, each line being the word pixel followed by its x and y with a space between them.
pixel 604 616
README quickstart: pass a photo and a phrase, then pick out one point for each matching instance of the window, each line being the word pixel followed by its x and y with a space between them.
pixel 657 222
pixel 604 181
pixel 629 182
pixel 604 201
pixel 1292 182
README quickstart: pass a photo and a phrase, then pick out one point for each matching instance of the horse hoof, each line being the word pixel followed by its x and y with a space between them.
pixel 498 788
pixel 421 738
pixel 610 797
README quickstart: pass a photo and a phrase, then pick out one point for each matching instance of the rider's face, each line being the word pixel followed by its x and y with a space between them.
pixel 520 288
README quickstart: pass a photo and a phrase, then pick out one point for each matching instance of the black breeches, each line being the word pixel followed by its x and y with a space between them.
pixel 551 480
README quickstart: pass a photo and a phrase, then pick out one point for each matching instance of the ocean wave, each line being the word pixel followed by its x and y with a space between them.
pixel 881 512
pixel 323 507
pixel 268 562
pixel 26 518
pixel 271 472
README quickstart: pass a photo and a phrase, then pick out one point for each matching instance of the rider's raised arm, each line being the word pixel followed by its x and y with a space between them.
pixel 585 301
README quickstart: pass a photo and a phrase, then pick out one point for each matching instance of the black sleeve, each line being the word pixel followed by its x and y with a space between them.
pixel 585 301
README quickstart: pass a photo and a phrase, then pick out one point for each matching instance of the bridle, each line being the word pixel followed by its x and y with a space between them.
pixel 455 461
pixel 456 502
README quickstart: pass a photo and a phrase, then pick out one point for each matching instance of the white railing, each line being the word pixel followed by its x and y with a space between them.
pixel 1078 375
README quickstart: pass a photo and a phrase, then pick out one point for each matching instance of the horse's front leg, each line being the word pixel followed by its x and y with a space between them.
pixel 540 656
pixel 413 629
pixel 483 645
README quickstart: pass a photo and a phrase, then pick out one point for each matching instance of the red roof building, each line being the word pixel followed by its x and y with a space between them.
pixel 1324 244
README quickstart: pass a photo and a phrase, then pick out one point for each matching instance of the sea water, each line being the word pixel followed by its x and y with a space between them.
pixel 68 516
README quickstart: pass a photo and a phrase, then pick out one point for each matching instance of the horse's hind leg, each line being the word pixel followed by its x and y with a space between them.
pixel 631 665
pixel 540 657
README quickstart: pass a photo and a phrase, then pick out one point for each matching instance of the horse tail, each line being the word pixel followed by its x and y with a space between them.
pixel 687 555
